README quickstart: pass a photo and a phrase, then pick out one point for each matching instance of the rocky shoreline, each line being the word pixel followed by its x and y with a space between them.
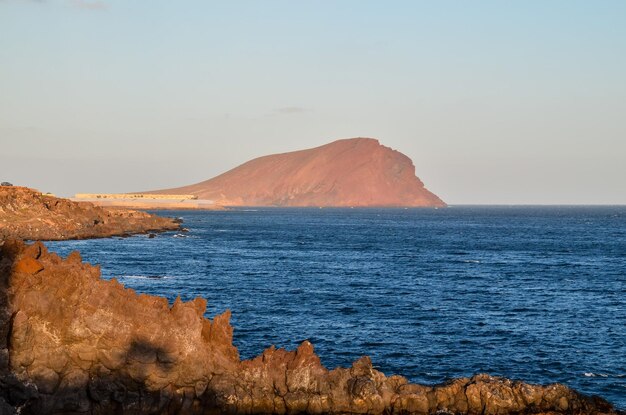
pixel 28 214
pixel 75 343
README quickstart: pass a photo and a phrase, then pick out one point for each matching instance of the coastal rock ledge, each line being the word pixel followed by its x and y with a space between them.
pixel 27 214
pixel 74 343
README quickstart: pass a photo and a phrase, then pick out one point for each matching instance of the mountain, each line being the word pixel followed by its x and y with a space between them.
pixel 350 172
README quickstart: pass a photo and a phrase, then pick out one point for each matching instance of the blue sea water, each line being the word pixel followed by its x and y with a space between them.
pixel 530 293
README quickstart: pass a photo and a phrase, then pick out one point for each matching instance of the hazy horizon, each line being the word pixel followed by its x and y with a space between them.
pixel 495 103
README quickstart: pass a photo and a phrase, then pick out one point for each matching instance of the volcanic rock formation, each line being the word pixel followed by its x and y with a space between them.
pixel 27 214
pixel 351 172
pixel 73 343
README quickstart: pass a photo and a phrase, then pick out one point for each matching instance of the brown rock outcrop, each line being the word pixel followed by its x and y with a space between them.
pixel 27 214
pixel 74 343
pixel 351 172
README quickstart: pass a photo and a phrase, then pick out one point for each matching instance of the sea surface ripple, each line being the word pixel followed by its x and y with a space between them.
pixel 530 293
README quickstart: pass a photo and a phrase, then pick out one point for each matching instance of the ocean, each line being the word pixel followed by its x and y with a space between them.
pixel 531 293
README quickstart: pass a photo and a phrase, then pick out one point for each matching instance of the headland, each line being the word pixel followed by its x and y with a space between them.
pixel 28 214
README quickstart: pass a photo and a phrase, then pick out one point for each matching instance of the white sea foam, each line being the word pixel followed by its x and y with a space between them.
pixel 144 277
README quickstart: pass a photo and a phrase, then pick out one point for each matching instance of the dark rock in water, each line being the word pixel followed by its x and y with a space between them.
pixel 74 343
pixel 27 214
pixel 152 235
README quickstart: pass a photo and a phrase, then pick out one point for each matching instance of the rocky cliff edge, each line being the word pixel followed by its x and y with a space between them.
pixel 27 214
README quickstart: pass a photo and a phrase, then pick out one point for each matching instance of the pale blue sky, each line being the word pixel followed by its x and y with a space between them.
pixel 495 101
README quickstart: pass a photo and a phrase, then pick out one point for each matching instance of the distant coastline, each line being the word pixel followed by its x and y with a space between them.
pixel 147 201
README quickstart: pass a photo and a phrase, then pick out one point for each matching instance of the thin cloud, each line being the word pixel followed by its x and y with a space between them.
pixel 79 4
pixel 89 4
pixel 24 1
pixel 291 110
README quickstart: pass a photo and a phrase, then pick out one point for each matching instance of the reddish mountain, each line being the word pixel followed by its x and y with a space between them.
pixel 351 172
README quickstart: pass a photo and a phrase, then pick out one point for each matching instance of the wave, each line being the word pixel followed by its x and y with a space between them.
pixel 603 375
pixel 145 277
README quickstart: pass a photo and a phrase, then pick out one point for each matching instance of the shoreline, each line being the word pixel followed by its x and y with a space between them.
pixel 78 343
pixel 152 204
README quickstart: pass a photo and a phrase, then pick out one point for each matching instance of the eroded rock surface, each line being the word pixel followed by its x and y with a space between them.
pixel 350 172
pixel 27 214
pixel 74 343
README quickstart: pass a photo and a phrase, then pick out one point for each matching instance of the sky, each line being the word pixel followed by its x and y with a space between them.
pixel 496 102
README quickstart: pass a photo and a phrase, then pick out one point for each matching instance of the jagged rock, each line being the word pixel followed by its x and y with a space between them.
pixel 350 172
pixel 27 214
pixel 79 344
